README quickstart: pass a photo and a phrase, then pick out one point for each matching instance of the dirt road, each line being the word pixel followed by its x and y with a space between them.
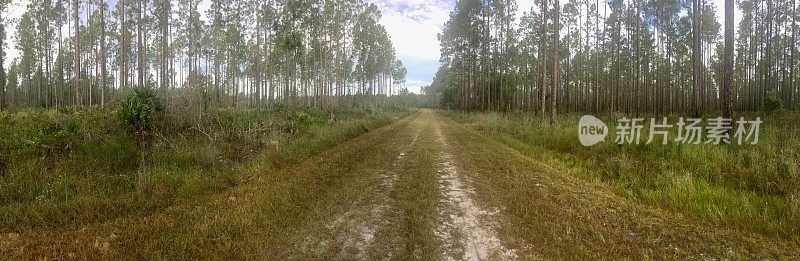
pixel 421 206
pixel 423 187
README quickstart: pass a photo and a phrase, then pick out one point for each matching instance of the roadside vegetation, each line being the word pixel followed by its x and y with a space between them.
pixel 749 187
pixel 69 167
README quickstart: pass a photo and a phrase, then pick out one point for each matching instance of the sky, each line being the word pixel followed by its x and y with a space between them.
pixel 413 26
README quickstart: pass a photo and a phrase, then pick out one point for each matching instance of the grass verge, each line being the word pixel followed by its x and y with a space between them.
pixel 753 187
pixel 554 208
pixel 68 168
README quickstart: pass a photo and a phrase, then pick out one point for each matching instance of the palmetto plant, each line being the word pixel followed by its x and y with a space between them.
pixel 140 112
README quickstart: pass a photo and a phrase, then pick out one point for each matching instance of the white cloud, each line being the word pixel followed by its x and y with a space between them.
pixel 12 14
pixel 413 26
pixel 524 6
pixel 203 8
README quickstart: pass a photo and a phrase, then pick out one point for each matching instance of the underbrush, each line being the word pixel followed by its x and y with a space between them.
pixel 751 187
pixel 71 167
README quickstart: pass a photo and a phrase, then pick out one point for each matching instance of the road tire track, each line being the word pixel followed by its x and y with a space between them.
pixel 466 229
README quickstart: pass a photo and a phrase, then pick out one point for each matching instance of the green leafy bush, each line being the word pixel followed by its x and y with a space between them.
pixel 140 111
pixel 772 103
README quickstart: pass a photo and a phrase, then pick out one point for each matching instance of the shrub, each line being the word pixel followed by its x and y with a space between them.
pixel 140 111
pixel 772 103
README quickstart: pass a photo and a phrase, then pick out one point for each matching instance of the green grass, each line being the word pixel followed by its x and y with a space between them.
pixel 265 216
pixel 313 208
pixel 416 197
pixel 68 168
pixel 751 187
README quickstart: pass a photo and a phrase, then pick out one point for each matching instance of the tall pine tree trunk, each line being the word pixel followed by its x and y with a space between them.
pixel 2 60
pixel 103 58
pixel 140 44
pixel 791 56
pixel 637 57
pixel 556 34
pixel 165 9
pixel 696 58
pixel 123 73
pixel 76 42
pixel 727 81
pixel 543 60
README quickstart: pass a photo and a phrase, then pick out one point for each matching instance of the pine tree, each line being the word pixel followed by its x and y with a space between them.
pixel 77 49
pixel 727 81
pixel 556 61
pixel 3 5
pixel 103 55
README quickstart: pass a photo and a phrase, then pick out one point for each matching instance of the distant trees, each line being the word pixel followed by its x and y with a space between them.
pixel 242 53
pixel 625 56
pixel 477 51
pixel 374 54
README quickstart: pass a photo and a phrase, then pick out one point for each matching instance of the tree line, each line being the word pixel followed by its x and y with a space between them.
pixel 237 53
pixel 629 56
